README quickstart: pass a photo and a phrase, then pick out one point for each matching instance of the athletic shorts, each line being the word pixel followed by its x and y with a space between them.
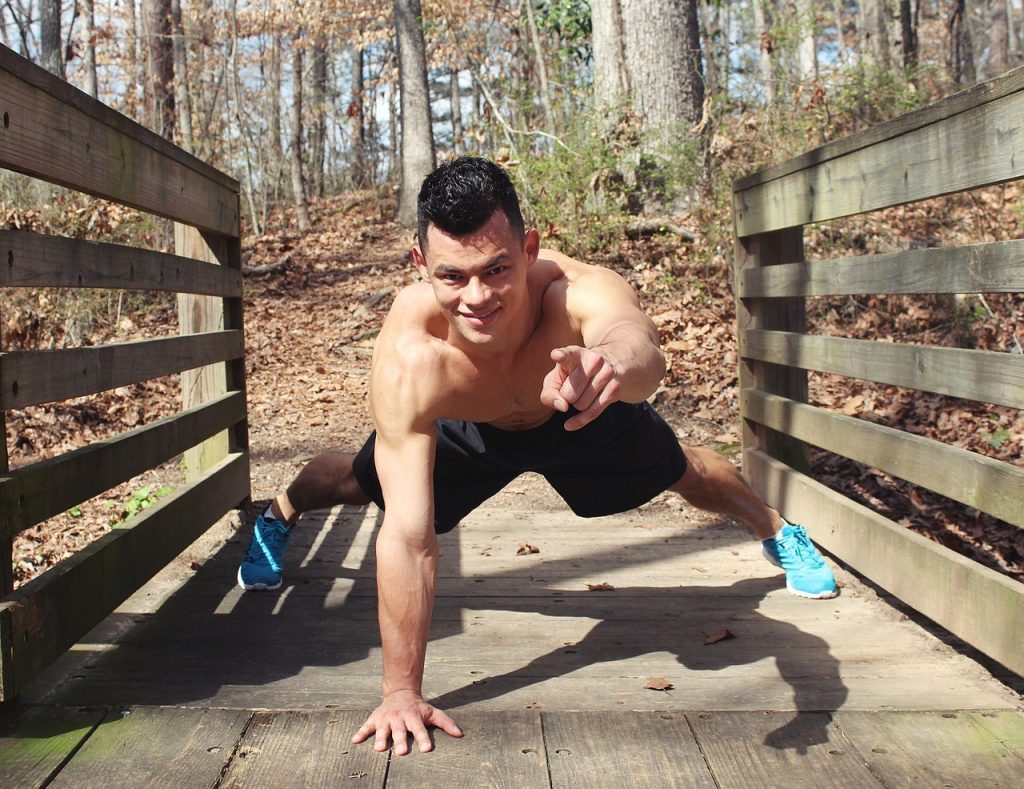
pixel 622 459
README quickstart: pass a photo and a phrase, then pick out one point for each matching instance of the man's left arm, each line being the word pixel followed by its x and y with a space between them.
pixel 620 358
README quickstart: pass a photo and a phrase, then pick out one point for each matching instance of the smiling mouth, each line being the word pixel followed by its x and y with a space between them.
pixel 480 318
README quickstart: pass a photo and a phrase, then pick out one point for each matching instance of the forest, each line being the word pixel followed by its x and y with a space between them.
pixel 623 123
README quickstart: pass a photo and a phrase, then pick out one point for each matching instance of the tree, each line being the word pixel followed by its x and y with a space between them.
pixel 356 111
pixel 160 98
pixel 910 11
pixel 960 54
pixel 183 100
pixel 49 37
pixel 417 159
pixel 295 150
pixel 766 48
pixel 999 34
pixel 89 46
pixel 808 48
pixel 874 42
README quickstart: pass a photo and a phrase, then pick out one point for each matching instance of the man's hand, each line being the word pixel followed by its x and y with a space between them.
pixel 582 378
pixel 402 713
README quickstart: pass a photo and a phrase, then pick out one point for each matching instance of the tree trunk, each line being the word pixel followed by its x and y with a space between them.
pixel 49 37
pixel 837 11
pixel 610 78
pixel 318 134
pixel 999 33
pixel 357 113
pixel 542 70
pixel 276 155
pixel 808 48
pixel 909 14
pixel 89 47
pixel 161 59
pixel 455 98
pixel 295 150
pixel 183 101
pixel 766 48
pixel 960 57
pixel 875 39
pixel 417 133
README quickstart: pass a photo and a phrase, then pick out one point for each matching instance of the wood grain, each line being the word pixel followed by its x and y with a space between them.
pixel 35 743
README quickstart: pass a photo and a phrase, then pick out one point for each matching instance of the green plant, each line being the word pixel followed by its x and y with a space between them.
pixel 997 437
pixel 139 500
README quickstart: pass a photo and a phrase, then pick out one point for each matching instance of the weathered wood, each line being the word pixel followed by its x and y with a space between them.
pixel 751 749
pixel 981 606
pixel 789 315
pixel 304 749
pixel 930 749
pixel 199 314
pixel 32 494
pixel 981 146
pixel 498 749
pixel 156 748
pixel 984 376
pixel 48 614
pixel 989 485
pixel 978 268
pixel 35 260
pixel 32 377
pixel 612 750
pixel 37 741
pixel 967 99
pixel 1007 726
pixel 75 144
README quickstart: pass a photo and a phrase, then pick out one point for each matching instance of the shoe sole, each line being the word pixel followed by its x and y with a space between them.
pixel 828 594
pixel 256 587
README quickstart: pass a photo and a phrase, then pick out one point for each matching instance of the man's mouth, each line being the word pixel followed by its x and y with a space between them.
pixel 481 317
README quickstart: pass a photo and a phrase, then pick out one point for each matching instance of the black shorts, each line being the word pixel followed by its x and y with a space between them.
pixel 622 459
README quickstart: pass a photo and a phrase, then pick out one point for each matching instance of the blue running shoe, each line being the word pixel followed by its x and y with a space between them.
pixel 807 574
pixel 261 567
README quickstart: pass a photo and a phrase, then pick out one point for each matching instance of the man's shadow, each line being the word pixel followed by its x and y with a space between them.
pixel 683 625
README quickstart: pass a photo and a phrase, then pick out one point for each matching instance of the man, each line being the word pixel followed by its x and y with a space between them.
pixel 506 358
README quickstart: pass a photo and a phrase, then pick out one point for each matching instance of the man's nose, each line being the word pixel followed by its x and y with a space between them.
pixel 476 291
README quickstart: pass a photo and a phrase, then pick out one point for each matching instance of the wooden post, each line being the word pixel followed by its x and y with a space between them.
pixel 6 572
pixel 779 314
pixel 210 313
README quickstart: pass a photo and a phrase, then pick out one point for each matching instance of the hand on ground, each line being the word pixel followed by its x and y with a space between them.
pixel 400 714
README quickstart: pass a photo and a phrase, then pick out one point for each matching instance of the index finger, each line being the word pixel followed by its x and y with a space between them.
pixel 568 358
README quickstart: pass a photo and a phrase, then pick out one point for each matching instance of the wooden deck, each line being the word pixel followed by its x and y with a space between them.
pixel 192 683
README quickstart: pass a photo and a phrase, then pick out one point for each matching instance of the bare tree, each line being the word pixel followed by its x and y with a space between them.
pixel 611 85
pixel 183 99
pixel 910 11
pixel 417 132
pixel 318 132
pixel 766 48
pixel 455 98
pixel 960 53
pixel 808 46
pixel 89 47
pixel 874 43
pixel 542 70
pixel 161 60
pixel 999 37
pixel 49 37
pixel 295 149
pixel 356 111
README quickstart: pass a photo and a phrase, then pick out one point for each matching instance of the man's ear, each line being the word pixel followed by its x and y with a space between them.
pixel 418 259
pixel 531 245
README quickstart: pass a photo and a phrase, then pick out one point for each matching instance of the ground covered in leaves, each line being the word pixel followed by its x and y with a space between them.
pixel 314 302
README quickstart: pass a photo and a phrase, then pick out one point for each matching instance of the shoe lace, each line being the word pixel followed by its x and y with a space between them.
pixel 802 546
pixel 267 547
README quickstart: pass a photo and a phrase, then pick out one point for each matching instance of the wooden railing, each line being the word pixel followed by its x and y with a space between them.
pixel 970 140
pixel 55 133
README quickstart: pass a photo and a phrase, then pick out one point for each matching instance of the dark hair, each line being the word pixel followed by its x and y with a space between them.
pixel 460 196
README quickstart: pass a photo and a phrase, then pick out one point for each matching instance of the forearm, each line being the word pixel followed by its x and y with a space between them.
pixel 636 357
pixel 406 576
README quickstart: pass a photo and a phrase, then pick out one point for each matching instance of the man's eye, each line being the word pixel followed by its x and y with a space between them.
pixel 497 270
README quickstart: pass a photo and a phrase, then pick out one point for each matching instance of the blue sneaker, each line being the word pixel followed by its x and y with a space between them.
pixel 261 567
pixel 807 574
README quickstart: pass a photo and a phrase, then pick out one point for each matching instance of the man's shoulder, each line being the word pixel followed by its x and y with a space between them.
pixel 574 283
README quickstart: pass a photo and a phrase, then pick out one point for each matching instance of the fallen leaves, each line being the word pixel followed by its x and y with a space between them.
pixel 658 683
pixel 525 549
pixel 719 635
pixel 601 587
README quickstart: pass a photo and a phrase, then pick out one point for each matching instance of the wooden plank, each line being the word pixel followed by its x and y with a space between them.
pixel 977 268
pixel 967 99
pixel 759 749
pixel 33 377
pixel 73 144
pixel 983 607
pixel 36 260
pixel 156 747
pixel 788 315
pixel 50 613
pixel 982 146
pixel 304 749
pixel 32 494
pixel 38 740
pixel 1006 726
pixel 930 749
pixel 989 485
pixel 984 376
pixel 499 749
pixel 602 750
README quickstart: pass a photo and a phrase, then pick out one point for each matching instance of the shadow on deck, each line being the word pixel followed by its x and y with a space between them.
pixel 192 682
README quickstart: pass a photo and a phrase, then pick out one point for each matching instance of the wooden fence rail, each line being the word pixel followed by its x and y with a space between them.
pixel 970 140
pixel 55 133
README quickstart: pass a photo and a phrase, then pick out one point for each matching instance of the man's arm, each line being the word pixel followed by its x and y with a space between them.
pixel 620 358
pixel 406 556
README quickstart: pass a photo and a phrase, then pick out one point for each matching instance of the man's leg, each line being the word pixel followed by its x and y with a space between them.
pixel 326 481
pixel 711 482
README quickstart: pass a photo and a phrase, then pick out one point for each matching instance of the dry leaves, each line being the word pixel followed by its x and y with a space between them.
pixel 658 683
pixel 601 587
pixel 718 635
pixel 525 549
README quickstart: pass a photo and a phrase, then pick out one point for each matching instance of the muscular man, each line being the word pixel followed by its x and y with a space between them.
pixel 506 358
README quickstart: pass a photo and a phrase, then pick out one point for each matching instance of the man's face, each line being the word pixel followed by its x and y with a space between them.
pixel 479 279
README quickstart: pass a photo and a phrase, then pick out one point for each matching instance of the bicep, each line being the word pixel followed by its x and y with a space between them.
pixel 602 302
pixel 405 466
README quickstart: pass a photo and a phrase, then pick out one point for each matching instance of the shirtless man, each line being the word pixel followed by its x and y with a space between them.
pixel 506 358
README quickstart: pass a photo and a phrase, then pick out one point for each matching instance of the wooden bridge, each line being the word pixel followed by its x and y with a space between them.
pixel 648 649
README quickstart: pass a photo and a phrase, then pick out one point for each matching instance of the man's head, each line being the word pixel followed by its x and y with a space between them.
pixel 460 196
